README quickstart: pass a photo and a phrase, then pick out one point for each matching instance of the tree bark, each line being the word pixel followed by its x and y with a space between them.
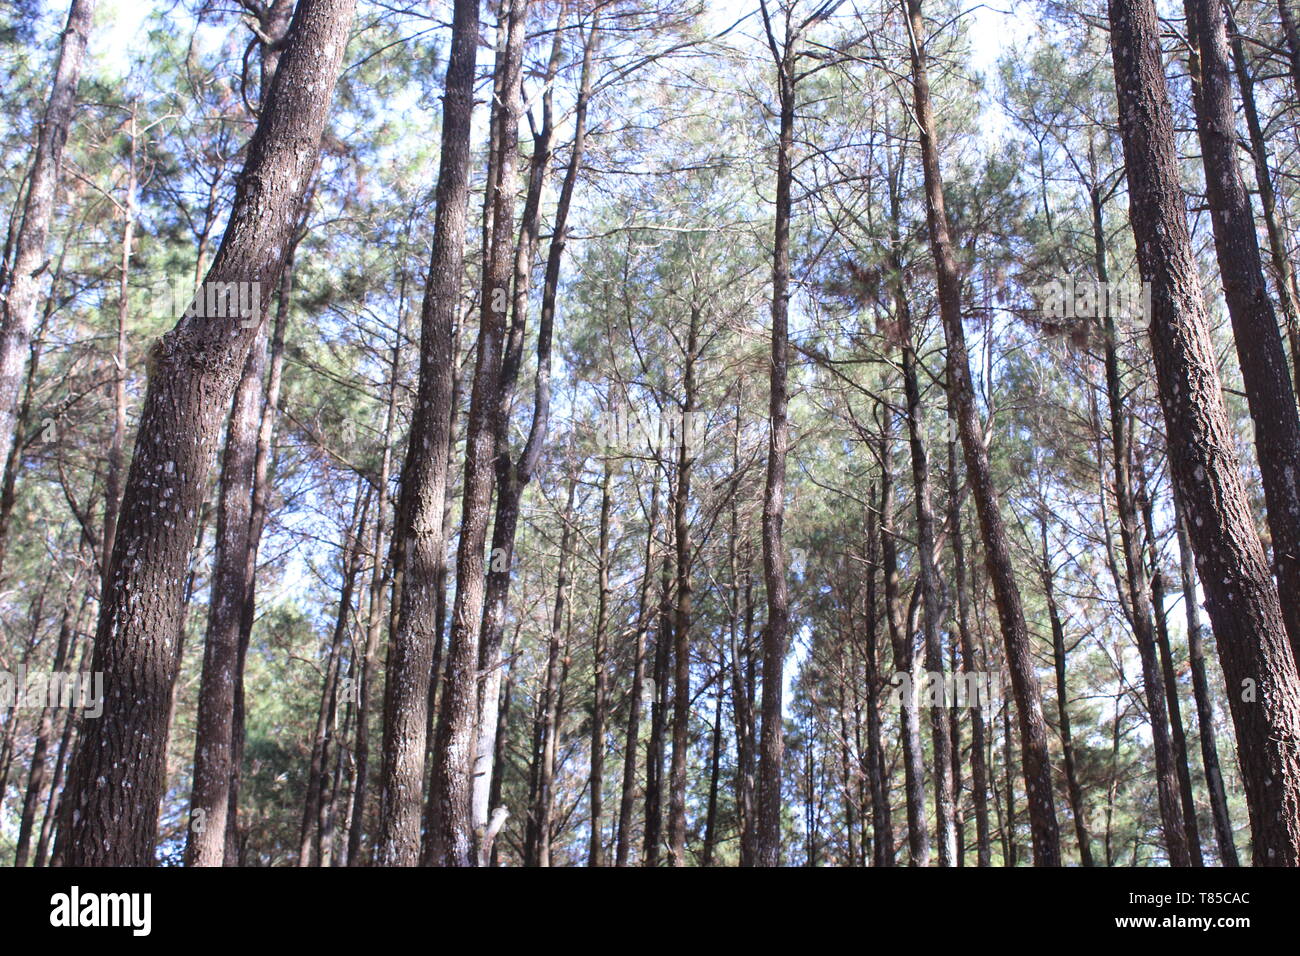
pixel 194 370
pixel 1240 597
pixel 1260 352
pixel 418 532
pixel 455 744
pixel 20 277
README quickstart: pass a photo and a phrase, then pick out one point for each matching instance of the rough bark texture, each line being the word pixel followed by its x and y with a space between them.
pixel 117 774
pixel 1243 605
pixel 776 632
pixel 418 535
pixel 455 746
pixel 1260 352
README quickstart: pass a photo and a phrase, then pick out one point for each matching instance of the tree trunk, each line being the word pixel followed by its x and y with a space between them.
pixel 928 582
pixel 596 853
pixel 418 532
pixel 1201 692
pixel 635 705
pixel 971 663
pixel 687 450
pixel 20 277
pixel 1259 669
pixel 1075 792
pixel 1033 729
pixel 767 843
pixel 1260 352
pixel 455 745
pixel 194 370
pixel 904 654
pixel 1283 274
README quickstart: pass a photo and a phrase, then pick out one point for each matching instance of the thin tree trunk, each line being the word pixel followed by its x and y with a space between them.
pixel 971 662
pixel 682 619
pixel 632 737
pixel 904 654
pixel 1015 634
pixel 596 852
pixel 543 810
pixel 20 277
pixel 1077 808
pixel 1260 352
pixel 1177 738
pixel 767 832
pixel 928 582
pixel 1201 692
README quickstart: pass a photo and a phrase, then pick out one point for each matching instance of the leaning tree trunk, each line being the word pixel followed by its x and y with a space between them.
pixel 20 277
pixel 417 537
pixel 1201 692
pixel 1283 274
pixel 1260 351
pixel 941 741
pixel 117 775
pixel 1259 669
pixel 1015 634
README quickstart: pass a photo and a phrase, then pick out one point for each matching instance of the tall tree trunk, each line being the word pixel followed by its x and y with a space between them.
pixel 1201 692
pixel 1259 668
pixel 1260 352
pixel 882 824
pixel 687 450
pixel 374 614
pixel 117 440
pixel 972 662
pixel 596 852
pixel 513 476
pixel 37 783
pixel 543 809
pixel 418 533
pixel 309 833
pixel 20 277
pixel 194 370
pixel 1177 738
pixel 1015 635
pixel 455 745
pixel 1075 792
pixel 1283 274
pixel 654 772
pixel 767 842
pixel 928 582
pixel 635 705
pixel 904 654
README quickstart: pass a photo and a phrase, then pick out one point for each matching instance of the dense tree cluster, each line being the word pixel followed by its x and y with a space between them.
pixel 635 432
